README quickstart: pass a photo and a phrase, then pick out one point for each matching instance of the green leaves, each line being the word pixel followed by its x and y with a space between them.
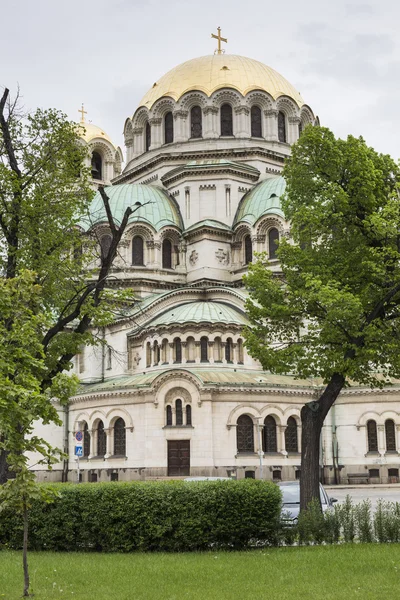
pixel 335 309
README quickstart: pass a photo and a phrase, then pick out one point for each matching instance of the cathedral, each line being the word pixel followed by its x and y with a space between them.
pixel 173 391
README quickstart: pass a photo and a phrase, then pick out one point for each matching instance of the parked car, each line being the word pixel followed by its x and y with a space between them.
pixel 291 501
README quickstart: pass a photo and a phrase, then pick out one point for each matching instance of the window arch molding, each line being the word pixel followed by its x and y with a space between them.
pixel 242 409
pixel 139 119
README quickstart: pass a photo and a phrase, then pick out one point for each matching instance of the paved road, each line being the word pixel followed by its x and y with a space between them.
pixel 359 494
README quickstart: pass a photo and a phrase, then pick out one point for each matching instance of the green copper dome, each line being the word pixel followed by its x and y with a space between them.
pixel 159 208
pixel 263 199
pixel 200 312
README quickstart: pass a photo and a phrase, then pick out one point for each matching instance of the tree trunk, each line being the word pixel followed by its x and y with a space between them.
pixel 311 426
pixel 312 419
pixel 25 552
pixel 3 465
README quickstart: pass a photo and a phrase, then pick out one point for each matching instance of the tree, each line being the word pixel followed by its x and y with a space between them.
pixel 335 312
pixel 53 295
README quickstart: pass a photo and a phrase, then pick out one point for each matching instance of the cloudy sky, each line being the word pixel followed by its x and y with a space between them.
pixel 343 55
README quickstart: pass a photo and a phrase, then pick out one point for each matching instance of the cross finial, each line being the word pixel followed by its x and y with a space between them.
pixel 83 113
pixel 220 39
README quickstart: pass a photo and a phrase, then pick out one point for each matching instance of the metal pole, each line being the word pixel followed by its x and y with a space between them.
pixel 260 451
pixel 78 472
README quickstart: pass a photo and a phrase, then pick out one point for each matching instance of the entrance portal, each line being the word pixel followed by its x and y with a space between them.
pixel 178 458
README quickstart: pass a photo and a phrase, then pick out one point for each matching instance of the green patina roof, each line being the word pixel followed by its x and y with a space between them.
pixel 200 312
pixel 263 199
pixel 159 210
pixel 209 223
pixel 217 376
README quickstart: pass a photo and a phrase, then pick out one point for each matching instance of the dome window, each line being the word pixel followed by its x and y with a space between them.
pixel 256 122
pixel 248 250
pixel 137 251
pixel 273 240
pixel 226 120
pixel 105 245
pixel 168 128
pixel 196 126
pixel 97 166
pixel 148 136
pixel 282 127
pixel 167 254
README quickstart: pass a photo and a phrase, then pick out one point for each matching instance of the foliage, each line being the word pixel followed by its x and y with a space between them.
pixel 334 315
pixel 330 317
pixel 169 516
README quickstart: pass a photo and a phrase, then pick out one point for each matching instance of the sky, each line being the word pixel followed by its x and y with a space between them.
pixel 342 55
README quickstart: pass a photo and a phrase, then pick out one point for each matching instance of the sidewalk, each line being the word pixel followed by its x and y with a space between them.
pixel 360 486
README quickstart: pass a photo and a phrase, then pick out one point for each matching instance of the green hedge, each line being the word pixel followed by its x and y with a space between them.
pixel 148 516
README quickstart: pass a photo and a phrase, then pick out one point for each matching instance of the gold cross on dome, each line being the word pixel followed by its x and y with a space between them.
pixel 220 39
pixel 83 113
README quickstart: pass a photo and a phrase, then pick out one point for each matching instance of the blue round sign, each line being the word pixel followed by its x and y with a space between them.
pixel 79 436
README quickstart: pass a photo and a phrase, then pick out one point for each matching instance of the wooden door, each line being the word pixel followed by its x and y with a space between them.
pixel 178 458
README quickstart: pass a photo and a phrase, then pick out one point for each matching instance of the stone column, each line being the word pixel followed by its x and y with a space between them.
pixel 184 354
pixel 138 142
pixel 180 134
pixel 109 442
pixel 93 443
pixel 211 352
pixel 242 122
pixel 157 255
pixel 398 438
pixel 129 149
pixel 181 268
pixel 210 129
pixel 293 133
pixel 381 439
pixel 282 444
pixel 156 133
pixel 171 353
pixel 197 351
pixel 271 132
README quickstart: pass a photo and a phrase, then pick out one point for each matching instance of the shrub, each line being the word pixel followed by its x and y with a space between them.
pixel 346 516
pixel 364 522
pixel 167 515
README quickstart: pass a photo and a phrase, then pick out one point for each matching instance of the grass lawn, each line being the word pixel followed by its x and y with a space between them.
pixel 329 572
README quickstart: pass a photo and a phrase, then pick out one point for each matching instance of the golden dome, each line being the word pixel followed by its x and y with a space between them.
pixel 211 73
pixel 89 132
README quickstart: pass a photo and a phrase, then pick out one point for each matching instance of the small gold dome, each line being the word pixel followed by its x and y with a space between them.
pixel 89 132
pixel 211 73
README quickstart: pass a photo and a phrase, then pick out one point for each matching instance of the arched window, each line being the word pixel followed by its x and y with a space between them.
pixel 178 412
pixel 148 136
pixel 101 439
pixel 281 126
pixel 196 126
pixel 148 354
pixel 245 434
pixel 119 438
pixel 204 349
pixel 188 414
pixel 167 254
pixel 270 435
pixel 168 128
pixel 109 358
pixel 137 251
pixel 273 239
pixel 291 441
pixel 390 432
pixel 169 415
pixel 228 350
pixel 105 245
pixel 256 123
pixel 372 436
pixel 248 250
pixel 97 166
pixel 300 128
pixel 226 120
pixel 86 440
pixel 177 350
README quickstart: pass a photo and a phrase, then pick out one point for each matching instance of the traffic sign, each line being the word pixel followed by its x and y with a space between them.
pixel 78 451
pixel 79 436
